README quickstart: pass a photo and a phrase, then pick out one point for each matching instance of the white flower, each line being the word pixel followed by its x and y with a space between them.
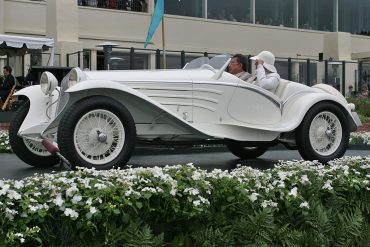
pixel 270 203
pixel 253 197
pixel 58 200
pixel 128 193
pixel 100 186
pixel 191 191
pixel 89 201
pixel 173 191
pixel 304 205
pixel 18 184
pixel 293 192
pixel 327 185
pixel 196 175
pixel 70 212
pixel 70 191
pixel 5 189
pixel 149 189
pixel 33 208
pixel 9 213
pixel 76 199
pixel 196 203
pixel 14 195
pixel 305 180
pixel 92 210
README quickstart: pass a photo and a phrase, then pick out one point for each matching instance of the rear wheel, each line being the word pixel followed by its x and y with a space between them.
pixel 97 132
pixel 323 134
pixel 28 150
pixel 246 152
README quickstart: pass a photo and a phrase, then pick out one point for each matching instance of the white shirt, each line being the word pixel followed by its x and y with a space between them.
pixel 268 81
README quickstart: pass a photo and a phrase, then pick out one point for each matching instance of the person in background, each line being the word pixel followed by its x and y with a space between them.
pixel 350 91
pixel 237 67
pixel 9 81
pixel 267 76
pixel 364 92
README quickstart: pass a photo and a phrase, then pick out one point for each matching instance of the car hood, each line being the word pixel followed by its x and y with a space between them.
pixel 150 75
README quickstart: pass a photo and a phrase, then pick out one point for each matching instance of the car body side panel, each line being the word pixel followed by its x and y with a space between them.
pixel 147 112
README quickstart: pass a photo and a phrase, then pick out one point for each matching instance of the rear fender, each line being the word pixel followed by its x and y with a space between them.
pixel 294 111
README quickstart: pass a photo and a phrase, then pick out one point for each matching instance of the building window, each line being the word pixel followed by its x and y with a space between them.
pixel 231 10
pixel 354 18
pixel 129 5
pixel 121 61
pixel 275 13
pixel 316 14
pixel 192 8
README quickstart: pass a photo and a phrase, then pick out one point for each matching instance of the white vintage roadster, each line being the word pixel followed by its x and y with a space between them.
pixel 95 118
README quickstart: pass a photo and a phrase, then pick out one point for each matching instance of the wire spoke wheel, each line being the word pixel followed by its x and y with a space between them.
pixel 325 133
pixel 35 147
pixel 99 136
pixel 97 132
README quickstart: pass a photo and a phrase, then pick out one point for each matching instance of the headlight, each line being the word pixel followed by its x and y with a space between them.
pixel 76 75
pixel 48 82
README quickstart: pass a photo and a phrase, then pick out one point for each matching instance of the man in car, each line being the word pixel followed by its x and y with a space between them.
pixel 267 76
pixel 237 67
pixel 8 83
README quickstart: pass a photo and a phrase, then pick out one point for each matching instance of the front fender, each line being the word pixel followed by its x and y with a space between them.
pixel 41 109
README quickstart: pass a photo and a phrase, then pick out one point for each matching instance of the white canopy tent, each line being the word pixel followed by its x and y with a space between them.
pixel 18 45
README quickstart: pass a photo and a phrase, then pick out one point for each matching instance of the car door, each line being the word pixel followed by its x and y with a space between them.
pixel 251 104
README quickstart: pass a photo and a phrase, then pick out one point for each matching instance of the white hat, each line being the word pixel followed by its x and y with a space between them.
pixel 268 60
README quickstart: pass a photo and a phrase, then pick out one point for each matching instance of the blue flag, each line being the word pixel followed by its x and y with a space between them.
pixel 156 19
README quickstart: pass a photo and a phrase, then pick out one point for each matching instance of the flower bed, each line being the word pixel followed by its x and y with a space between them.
pixel 360 138
pixel 297 203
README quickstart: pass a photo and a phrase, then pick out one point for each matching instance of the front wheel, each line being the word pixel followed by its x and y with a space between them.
pixel 97 132
pixel 323 134
pixel 246 152
pixel 28 150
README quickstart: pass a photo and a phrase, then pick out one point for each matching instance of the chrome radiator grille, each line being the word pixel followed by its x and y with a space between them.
pixel 64 97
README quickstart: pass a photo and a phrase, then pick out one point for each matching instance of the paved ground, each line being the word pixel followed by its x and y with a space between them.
pixel 13 168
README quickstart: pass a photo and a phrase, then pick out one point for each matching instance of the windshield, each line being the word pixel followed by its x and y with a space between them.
pixel 216 62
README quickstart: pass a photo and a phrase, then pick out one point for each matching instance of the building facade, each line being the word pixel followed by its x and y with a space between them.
pixel 296 31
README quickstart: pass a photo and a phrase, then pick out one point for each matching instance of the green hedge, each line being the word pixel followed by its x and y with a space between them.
pixel 362 105
pixel 297 203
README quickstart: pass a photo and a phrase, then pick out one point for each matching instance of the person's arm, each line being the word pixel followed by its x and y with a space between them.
pixel 263 81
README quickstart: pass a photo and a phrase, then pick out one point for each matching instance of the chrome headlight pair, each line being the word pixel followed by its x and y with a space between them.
pixel 48 82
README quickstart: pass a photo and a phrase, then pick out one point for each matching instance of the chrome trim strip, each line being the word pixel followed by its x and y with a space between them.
pixel 185 104
pixel 164 96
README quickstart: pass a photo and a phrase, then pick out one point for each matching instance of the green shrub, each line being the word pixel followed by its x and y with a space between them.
pixel 297 203
pixel 362 106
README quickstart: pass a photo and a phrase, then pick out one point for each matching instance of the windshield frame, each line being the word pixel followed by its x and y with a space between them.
pixel 217 62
